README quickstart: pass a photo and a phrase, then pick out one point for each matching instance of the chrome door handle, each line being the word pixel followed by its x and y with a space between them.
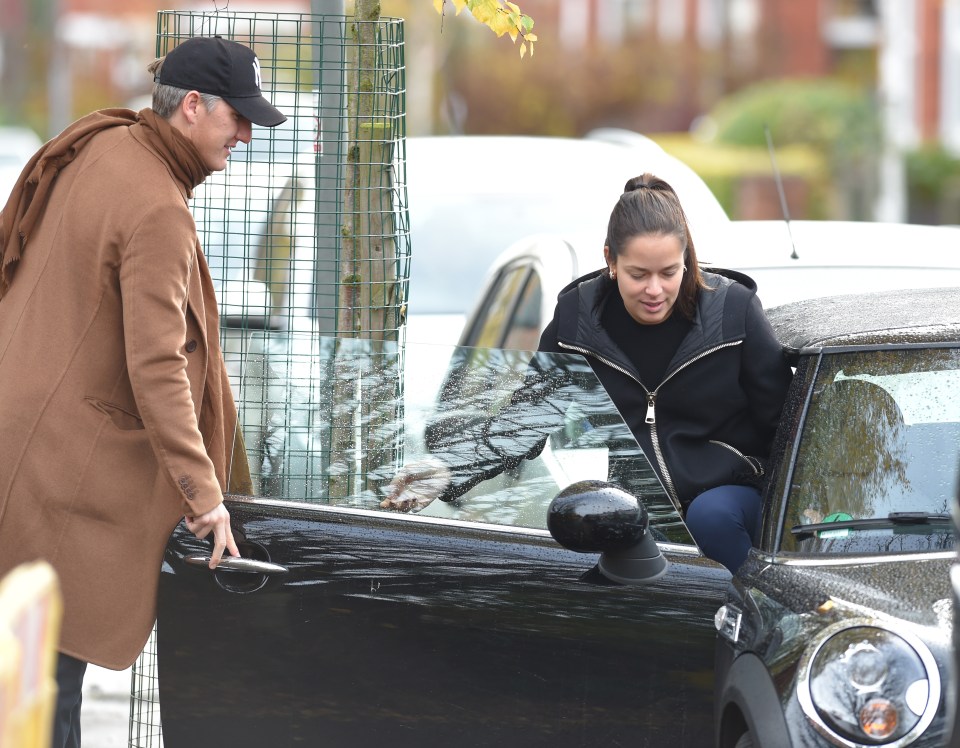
pixel 232 563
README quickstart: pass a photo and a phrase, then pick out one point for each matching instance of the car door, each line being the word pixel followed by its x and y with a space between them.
pixel 464 623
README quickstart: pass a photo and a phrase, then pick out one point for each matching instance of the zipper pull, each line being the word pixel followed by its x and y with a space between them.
pixel 651 402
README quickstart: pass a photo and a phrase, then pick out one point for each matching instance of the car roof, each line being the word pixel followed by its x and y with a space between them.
pixel 526 164
pixel 924 316
pixel 833 257
pixel 835 243
pixel 837 257
pixel 471 196
pixel 818 244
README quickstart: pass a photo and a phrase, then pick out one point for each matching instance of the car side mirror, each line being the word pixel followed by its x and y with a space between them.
pixel 591 516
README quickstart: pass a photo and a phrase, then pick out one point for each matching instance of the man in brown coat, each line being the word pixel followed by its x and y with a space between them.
pixel 116 416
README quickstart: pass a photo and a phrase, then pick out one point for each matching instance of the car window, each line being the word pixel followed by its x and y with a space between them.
pixel 523 327
pixel 335 421
pixel 510 313
pixel 880 442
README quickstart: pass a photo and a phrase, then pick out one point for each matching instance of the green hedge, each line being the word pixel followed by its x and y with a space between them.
pixel 723 166
pixel 835 126
pixel 933 185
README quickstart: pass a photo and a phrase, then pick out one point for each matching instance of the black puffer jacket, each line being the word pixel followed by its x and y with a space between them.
pixel 712 419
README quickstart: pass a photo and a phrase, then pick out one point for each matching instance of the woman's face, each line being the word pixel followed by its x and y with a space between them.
pixel 648 273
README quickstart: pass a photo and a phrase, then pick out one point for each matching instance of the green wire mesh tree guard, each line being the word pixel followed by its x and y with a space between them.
pixel 307 237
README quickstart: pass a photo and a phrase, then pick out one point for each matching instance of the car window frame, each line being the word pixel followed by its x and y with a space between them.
pixel 775 523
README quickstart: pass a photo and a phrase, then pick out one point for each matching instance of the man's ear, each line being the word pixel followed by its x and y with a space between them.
pixel 190 106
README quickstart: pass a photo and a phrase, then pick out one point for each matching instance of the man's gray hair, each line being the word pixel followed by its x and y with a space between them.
pixel 166 99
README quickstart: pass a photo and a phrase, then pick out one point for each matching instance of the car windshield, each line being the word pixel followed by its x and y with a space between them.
pixel 334 421
pixel 877 463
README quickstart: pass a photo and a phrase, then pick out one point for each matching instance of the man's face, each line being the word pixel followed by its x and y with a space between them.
pixel 216 132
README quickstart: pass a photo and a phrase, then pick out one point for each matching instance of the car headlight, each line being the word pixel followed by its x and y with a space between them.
pixel 866 684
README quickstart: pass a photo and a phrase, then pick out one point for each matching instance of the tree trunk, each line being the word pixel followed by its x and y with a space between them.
pixel 364 411
pixel 368 250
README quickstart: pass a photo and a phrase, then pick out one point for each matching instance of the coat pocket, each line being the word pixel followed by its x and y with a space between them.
pixel 124 420
pixel 753 465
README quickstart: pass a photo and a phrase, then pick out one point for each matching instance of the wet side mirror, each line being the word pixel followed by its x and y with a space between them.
pixel 594 516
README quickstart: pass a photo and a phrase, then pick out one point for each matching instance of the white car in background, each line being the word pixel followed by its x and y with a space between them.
pixel 468 198
pixel 17 146
pixel 832 257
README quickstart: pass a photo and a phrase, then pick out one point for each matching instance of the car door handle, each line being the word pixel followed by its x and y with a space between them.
pixel 233 563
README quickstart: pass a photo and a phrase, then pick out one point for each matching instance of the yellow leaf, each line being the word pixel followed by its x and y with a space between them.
pixel 500 16
pixel 484 14
pixel 438 4
pixel 501 25
pixel 523 49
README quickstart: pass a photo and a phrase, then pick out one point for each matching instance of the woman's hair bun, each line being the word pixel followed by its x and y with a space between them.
pixel 648 181
pixel 637 183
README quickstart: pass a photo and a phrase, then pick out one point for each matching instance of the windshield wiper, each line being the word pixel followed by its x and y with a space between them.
pixel 894 519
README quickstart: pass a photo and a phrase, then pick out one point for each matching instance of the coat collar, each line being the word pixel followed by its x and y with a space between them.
pixel 580 309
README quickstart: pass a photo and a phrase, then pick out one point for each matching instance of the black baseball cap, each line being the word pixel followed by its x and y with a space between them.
pixel 224 68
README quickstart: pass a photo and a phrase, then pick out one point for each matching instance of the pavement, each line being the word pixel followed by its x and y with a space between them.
pixel 105 715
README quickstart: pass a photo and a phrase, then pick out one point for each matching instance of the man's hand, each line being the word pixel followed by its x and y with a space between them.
pixel 217 521
pixel 416 485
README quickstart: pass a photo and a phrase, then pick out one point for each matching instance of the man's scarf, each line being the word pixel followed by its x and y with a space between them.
pixel 31 192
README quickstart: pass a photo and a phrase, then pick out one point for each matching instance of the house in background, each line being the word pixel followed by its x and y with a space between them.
pixel 907 52
pixel 62 58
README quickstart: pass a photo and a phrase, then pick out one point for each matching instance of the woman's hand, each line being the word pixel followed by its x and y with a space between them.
pixel 217 521
pixel 416 485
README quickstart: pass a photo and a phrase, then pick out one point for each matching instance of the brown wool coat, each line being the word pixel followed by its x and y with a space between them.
pixel 108 333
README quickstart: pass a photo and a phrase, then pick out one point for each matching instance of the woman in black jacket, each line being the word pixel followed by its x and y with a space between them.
pixel 689 359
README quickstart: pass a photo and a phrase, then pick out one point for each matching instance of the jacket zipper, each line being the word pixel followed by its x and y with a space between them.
pixel 756 467
pixel 651 417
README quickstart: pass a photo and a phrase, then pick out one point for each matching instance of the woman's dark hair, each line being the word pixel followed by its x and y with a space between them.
pixel 650 207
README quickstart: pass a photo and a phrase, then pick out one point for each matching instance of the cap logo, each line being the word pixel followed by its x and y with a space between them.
pixel 256 71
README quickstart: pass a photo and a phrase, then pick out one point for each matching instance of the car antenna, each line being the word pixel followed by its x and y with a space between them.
pixel 783 196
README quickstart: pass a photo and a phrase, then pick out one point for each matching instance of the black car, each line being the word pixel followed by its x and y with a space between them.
pixel 837 629
pixel 562 600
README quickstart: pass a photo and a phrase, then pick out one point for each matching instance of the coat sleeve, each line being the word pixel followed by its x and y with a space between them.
pixel 765 375
pixel 155 269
